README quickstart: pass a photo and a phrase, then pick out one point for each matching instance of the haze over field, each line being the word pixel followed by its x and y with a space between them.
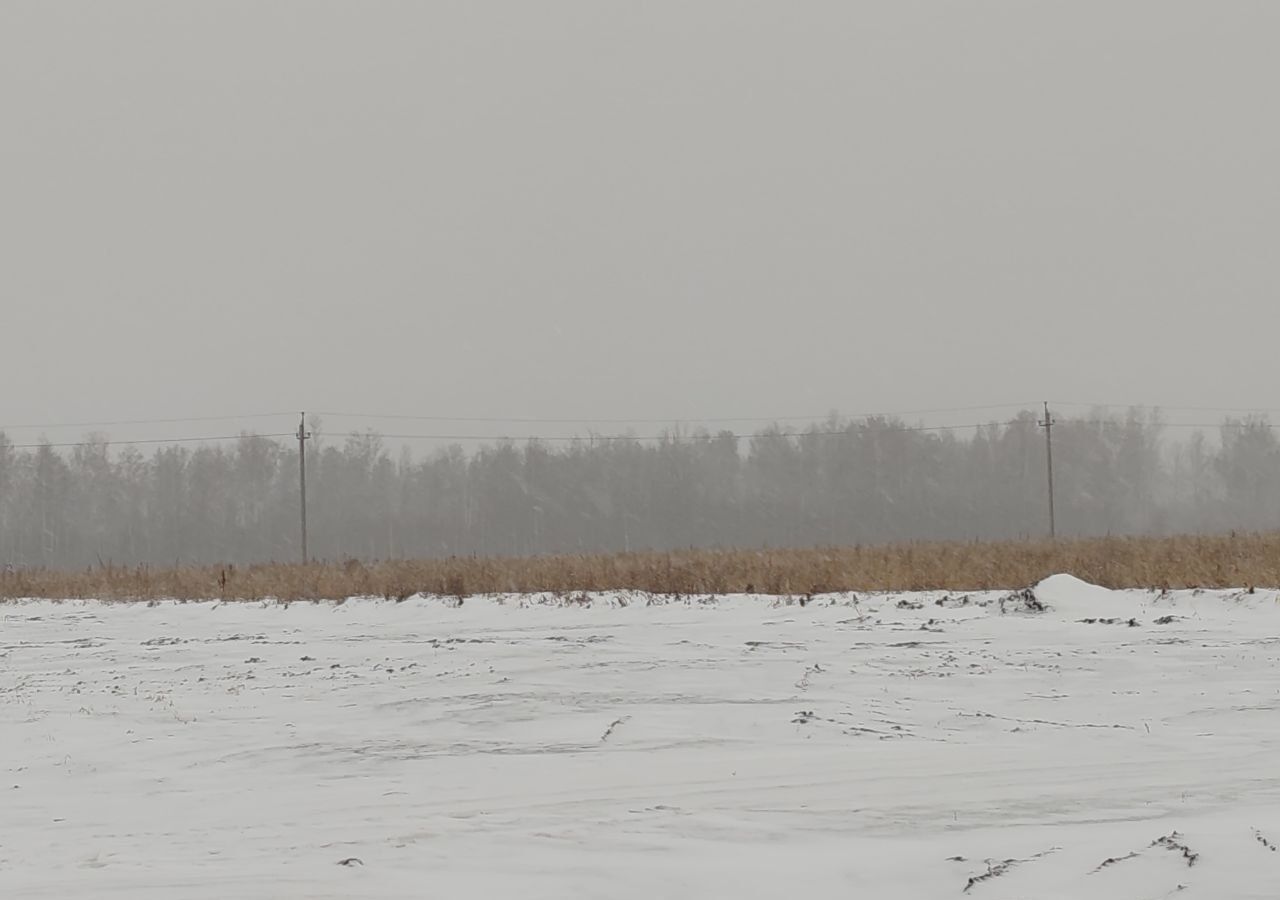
pixel 570 218
pixel 668 210
pixel 842 482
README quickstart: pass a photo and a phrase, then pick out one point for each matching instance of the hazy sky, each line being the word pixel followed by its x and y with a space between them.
pixel 692 209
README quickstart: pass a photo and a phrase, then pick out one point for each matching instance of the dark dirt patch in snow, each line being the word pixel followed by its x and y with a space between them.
pixel 1174 842
pixel 1023 601
pixel 996 869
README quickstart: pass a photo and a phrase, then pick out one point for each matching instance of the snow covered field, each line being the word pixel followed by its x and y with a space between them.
pixel 886 746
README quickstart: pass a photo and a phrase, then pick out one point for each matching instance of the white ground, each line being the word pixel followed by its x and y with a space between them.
pixel 742 748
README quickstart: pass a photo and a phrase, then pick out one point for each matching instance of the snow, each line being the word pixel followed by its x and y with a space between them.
pixel 887 746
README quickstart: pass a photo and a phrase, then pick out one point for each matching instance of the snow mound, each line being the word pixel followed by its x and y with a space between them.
pixel 1071 597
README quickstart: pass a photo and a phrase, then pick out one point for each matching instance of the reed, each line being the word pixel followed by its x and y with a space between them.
pixel 1236 560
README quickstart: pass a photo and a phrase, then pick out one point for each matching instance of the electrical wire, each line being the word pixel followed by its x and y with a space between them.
pixel 651 421
pixel 702 436
pixel 183 440
pixel 851 426
pixel 183 420
pixel 1162 408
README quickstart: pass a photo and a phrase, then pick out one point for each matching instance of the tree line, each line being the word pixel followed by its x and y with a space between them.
pixel 841 482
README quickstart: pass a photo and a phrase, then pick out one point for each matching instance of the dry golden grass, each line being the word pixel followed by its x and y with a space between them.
pixel 1244 560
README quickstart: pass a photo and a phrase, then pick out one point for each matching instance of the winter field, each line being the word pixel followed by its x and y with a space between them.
pixel 1108 745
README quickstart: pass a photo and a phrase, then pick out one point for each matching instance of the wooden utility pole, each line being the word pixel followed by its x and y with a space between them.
pixel 303 437
pixel 1047 425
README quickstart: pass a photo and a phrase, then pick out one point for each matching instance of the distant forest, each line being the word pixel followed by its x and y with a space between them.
pixel 839 482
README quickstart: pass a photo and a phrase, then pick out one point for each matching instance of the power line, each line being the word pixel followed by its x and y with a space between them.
pixel 532 420
pixel 851 427
pixel 587 438
pixel 844 432
pixel 518 420
pixel 1162 425
pixel 541 421
pixel 1162 408
pixel 184 440
pixel 105 424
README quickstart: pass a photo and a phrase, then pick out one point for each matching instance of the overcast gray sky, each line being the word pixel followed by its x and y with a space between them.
pixel 668 210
